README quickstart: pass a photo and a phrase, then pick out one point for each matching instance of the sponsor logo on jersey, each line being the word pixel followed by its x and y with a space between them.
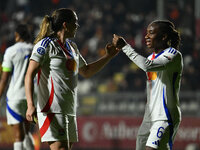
pixel 41 50
pixel 151 75
pixel 156 142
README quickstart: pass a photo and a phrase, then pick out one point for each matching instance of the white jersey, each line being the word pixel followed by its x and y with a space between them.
pixel 57 79
pixel 164 72
pixel 16 59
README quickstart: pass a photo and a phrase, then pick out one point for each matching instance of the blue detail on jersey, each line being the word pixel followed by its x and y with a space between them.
pixel 172 50
pixel 41 50
pixel 171 128
pixel 69 49
pixel 156 142
pixel 175 52
pixel 160 133
pixel 14 114
pixel 27 56
pixel 45 42
pixel 68 40
pixel 159 54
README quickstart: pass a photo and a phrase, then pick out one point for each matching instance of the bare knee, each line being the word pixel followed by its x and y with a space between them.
pixel 59 145
pixel 18 131
pixel 150 148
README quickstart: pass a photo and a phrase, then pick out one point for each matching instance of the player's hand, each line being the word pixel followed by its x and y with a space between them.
pixel 31 114
pixel 119 42
pixel 111 50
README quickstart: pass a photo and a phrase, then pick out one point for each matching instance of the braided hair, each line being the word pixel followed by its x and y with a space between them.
pixel 166 27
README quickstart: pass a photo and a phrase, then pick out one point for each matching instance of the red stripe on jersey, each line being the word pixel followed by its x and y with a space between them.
pixel 149 74
pixel 50 100
pixel 153 56
pixel 46 124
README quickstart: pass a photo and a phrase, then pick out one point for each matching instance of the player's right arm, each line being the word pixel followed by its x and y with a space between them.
pixel 38 56
pixel 29 88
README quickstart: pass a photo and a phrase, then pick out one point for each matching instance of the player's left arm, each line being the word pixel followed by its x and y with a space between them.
pixel 90 69
pixel 7 67
pixel 4 81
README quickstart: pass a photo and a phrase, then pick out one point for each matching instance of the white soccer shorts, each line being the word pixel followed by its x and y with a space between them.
pixel 16 111
pixel 158 135
pixel 57 127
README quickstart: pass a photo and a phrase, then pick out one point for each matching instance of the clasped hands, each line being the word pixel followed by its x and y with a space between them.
pixel 117 44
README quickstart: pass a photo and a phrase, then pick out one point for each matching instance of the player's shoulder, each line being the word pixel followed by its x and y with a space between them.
pixel 43 45
pixel 24 46
pixel 44 42
pixel 172 54
pixel 72 43
pixel 12 48
pixel 150 56
pixel 171 51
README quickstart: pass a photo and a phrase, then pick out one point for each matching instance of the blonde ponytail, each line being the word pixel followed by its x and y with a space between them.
pixel 45 29
pixel 51 25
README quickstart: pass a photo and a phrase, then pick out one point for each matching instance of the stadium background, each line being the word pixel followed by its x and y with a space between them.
pixel 111 104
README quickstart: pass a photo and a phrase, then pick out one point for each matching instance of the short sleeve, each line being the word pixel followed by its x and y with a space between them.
pixel 7 64
pixel 40 50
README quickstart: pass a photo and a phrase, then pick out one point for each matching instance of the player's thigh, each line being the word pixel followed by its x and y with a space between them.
pixel 59 145
pixel 57 127
pixel 16 111
pixel 18 130
pixel 53 127
pixel 160 135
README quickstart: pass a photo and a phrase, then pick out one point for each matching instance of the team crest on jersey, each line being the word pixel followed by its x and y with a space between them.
pixel 151 75
pixel 41 50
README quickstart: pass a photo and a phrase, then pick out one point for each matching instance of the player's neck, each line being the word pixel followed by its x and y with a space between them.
pixel 61 37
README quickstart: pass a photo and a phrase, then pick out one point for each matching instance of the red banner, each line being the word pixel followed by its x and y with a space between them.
pixel 121 132
pixel 112 133
pixel 107 132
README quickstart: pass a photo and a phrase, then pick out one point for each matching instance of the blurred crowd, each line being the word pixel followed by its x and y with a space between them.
pixel 99 20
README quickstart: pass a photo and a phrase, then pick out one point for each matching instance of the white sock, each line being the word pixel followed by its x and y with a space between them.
pixel 18 146
pixel 28 142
